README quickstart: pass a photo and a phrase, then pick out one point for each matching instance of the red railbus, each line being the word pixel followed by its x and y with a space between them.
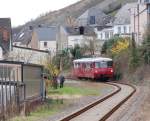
pixel 94 68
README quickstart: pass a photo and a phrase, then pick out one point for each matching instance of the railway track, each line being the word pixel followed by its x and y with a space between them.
pixel 102 109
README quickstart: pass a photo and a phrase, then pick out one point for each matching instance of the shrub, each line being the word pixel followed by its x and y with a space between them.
pixel 134 58
pixel 115 45
pixel 120 45
pixel 146 46
pixel 76 52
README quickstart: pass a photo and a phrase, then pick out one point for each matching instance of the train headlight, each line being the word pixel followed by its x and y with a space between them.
pixel 111 71
pixel 96 71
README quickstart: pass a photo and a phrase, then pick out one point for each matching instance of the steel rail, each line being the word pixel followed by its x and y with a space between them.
pixel 77 113
pixel 120 104
pixel 105 117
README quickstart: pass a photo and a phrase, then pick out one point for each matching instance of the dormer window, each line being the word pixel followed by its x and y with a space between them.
pixel 92 19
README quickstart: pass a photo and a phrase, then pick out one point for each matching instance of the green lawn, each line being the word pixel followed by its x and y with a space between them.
pixel 51 107
pixel 67 90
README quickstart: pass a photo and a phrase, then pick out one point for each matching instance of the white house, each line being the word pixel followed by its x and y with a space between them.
pixel 104 33
pixel 79 35
pixel 78 40
pixel 122 22
pixel 122 29
pixel 121 25
pixel 93 17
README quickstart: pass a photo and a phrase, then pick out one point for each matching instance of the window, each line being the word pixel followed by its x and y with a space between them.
pixel 110 63
pixel 119 30
pixel 129 29
pixel 77 65
pixel 101 36
pixel 88 65
pixel 111 34
pixel 45 44
pixel 125 29
pixel 103 64
pixel 107 35
pixel 92 19
pixel 97 65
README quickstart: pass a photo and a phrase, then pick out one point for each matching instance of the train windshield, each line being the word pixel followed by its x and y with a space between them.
pixel 104 64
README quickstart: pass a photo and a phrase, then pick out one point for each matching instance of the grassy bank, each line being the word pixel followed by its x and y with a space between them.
pixel 53 105
pixel 67 90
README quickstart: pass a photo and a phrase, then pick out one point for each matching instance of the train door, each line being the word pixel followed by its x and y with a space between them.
pixel 77 69
pixel 88 70
pixel 80 70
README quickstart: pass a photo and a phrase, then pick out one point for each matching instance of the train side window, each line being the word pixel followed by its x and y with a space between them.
pixel 83 65
pixel 88 65
pixel 76 65
pixel 97 64
pixel 92 65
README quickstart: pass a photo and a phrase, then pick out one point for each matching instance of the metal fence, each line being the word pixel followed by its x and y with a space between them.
pixel 18 82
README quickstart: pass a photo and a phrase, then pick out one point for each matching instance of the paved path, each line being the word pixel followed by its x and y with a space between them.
pixel 97 112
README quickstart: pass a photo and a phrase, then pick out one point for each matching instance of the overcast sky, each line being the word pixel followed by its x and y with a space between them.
pixel 21 11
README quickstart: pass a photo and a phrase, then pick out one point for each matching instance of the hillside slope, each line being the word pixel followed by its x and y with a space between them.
pixel 75 10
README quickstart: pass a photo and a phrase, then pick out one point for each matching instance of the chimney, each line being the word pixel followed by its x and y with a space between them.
pixel 39 25
pixel 30 27
pixel 81 30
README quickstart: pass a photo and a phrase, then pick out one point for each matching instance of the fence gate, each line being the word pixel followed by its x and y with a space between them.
pixel 12 89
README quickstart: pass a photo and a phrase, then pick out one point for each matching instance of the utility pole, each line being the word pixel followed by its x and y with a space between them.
pixel 148 13
pixel 138 22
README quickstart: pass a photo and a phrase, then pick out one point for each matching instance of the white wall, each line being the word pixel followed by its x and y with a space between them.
pixel 108 33
pixel 28 56
pixel 17 43
pixel 78 39
pixel 104 34
pixel 128 29
pixel 51 46
pixel 83 19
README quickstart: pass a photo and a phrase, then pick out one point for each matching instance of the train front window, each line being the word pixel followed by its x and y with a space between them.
pixel 103 64
pixel 110 63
